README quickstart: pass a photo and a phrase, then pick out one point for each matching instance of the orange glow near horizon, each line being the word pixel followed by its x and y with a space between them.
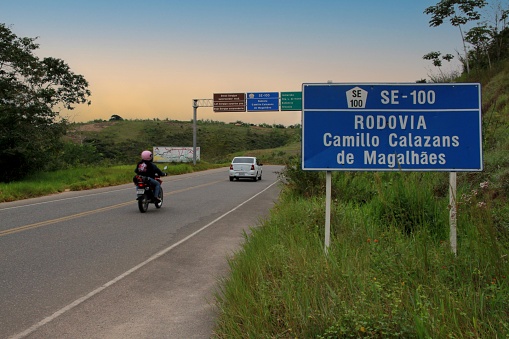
pixel 146 61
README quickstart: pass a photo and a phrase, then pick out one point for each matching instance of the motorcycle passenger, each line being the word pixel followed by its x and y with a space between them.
pixel 147 168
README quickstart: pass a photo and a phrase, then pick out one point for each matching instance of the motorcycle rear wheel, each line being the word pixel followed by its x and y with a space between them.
pixel 159 204
pixel 143 203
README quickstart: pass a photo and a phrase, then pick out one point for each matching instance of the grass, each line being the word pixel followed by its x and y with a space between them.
pixel 122 140
pixel 378 280
pixel 274 156
pixel 390 271
pixel 83 178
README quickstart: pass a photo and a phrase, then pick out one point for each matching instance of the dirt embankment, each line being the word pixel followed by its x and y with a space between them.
pixel 75 133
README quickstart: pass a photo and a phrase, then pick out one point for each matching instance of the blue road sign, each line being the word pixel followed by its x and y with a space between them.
pixel 263 101
pixel 384 127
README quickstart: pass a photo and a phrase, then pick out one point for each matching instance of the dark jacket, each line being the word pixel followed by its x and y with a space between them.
pixel 148 169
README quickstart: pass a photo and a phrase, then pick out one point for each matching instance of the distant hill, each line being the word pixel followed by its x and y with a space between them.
pixel 122 141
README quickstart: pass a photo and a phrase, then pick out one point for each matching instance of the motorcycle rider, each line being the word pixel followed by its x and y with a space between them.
pixel 147 168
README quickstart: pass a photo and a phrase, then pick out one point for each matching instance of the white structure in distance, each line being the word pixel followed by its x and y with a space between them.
pixel 175 154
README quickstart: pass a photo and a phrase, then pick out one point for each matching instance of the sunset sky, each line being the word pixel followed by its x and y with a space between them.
pixel 150 59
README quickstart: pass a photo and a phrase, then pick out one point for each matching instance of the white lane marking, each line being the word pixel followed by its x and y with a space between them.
pixel 75 303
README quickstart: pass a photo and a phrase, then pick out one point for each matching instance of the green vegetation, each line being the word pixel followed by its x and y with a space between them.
pixel 32 93
pixel 82 178
pixel 484 44
pixel 35 136
pixel 390 271
pixel 94 154
pixel 122 141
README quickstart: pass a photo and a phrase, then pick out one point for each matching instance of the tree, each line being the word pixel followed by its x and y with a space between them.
pixel 33 92
pixel 480 37
pixel 498 31
pixel 459 12
pixel 437 62
pixel 116 117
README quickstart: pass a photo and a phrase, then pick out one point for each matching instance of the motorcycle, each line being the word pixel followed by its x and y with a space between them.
pixel 145 193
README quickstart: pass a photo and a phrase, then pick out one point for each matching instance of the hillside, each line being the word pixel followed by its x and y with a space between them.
pixel 122 141
pixel 495 128
pixel 390 271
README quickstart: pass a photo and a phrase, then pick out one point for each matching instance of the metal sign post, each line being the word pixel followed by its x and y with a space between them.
pixel 198 103
pixel 328 190
pixel 237 102
pixel 452 212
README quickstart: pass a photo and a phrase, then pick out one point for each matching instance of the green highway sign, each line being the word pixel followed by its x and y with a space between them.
pixel 291 101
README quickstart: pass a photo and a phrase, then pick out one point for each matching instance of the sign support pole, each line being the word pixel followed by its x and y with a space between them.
pixel 452 211
pixel 198 103
pixel 328 189
pixel 195 108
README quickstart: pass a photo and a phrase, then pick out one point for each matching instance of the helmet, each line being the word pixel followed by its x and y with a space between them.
pixel 146 155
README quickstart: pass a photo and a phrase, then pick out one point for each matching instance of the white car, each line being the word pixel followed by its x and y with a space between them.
pixel 245 167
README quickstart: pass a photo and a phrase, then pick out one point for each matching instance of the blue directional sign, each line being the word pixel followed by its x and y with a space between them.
pixel 385 127
pixel 263 101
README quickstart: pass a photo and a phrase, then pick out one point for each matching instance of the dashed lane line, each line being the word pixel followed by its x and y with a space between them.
pixel 83 214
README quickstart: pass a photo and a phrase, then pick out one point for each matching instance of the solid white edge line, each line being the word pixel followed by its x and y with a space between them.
pixel 75 303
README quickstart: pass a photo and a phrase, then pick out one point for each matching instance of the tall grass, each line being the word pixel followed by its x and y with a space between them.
pixel 389 273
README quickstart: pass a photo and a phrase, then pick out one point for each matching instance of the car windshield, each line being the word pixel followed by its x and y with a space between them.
pixel 243 160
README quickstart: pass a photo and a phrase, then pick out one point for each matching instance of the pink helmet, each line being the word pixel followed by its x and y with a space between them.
pixel 146 155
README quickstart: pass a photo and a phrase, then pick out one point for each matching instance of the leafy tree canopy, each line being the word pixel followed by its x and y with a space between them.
pixel 33 92
pixel 459 12
pixel 483 44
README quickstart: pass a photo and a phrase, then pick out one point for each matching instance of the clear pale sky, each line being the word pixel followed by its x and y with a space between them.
pixel 150 59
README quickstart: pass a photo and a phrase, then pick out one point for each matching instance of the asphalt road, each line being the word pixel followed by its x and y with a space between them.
pixel 90 265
